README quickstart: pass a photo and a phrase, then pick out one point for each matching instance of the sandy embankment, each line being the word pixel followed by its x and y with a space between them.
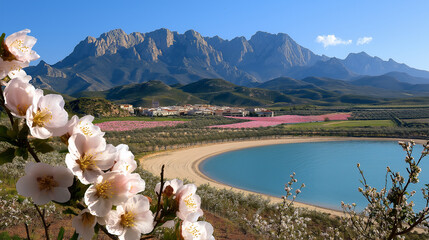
pixel 183 164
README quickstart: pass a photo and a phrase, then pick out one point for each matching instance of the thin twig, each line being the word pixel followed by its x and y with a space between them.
pixel 2 102
pixel 107 233
pixel 159 195
pixel 146 237
pixel 42 216
pixel 32 152
pixel 26 230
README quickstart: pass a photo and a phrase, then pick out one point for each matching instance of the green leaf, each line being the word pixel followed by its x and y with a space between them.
pixel 23 133
pixel 22 152
pixel 61 234
pixel 77 192
pixel 12 133
pixel 63 150
pixel 96 229
pixel 1 44
pixel 4 137
pixel 16 125
pixel 7 156
pixel 42 146
pixel 3 131
pixel 75 236
pixel 70 211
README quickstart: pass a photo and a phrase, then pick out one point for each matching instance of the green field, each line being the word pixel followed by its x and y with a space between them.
pixel 132 118
pixel 343 124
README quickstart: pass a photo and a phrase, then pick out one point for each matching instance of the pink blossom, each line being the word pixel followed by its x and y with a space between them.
pixel 256 122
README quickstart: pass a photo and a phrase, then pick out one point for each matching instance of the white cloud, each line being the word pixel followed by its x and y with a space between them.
pixel 331 40
pixel 363 40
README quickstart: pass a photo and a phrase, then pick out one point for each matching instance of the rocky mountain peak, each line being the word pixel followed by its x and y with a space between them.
pixel 114 34
pixel 360 54
pixel 45 69
pixel 192 34
pixel 163 38
pixel 90 39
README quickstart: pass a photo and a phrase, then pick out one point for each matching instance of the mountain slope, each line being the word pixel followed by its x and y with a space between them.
pixel 363 64
pixel 281 92
pixel 221 92
pixel 390 82
pixel 332 68
pixel 318 88
pixel 143 94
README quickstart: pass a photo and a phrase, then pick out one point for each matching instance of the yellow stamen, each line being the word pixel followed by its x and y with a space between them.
pixel 85 129
pixel 87 219
pixel 104 189
pixel 190 202
pixel 86 162
pixel 22 109
pixel 42 117
pixel 193 229
pixel 46 183
pixel 19 44
pixel 127 219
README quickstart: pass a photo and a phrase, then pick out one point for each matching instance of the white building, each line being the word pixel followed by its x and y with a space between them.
pixel 127 107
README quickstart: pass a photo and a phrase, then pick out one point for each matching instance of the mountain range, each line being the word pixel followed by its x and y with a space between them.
pixel 116 59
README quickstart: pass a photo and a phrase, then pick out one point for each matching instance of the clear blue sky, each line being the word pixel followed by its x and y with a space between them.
pixel 399 29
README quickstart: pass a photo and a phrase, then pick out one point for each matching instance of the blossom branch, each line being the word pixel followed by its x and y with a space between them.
pixel 107 232
pixel 32 152
pixel 159 195
pixel 2 103
pixel 42 216
pixel 26 230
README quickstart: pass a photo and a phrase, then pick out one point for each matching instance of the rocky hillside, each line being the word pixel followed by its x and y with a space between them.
pixel 97 107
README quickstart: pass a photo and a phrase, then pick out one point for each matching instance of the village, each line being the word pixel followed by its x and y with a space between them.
pixel 196 109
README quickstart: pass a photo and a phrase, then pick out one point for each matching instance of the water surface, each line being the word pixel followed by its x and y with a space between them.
pixel 328 169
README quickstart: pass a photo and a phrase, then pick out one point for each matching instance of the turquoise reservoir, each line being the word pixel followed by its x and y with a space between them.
pixel 328 169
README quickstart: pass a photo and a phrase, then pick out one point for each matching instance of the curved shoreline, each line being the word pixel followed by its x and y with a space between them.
pixel 184 163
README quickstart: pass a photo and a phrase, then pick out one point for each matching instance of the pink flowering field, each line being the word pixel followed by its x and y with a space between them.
pixel 256 122
pixel 120 126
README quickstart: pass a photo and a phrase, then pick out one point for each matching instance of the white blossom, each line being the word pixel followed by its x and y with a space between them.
pixel 19 95
pixel 83 125
pixel 131 219
pixel 108 190
pixel 44 183
pixel 135 184
pixel 176 184
pixel 84 224
pixel 189 203
pixel 124 160
pixel 46 117
pixel 11 68
pixel 20 45
pixel 88 156
pixel 199 230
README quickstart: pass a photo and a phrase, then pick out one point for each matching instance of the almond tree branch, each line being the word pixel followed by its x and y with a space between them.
pixel 26 230
pixel 32 152
pixel 42 216
pixel 2 103
pixel 107 233
pixel 159 195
